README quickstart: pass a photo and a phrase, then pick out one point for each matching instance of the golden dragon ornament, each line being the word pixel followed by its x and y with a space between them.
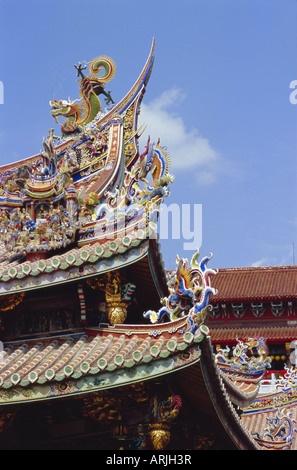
pixel 78 113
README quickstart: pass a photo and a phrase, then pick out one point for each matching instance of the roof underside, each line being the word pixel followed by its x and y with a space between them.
pixel 205 390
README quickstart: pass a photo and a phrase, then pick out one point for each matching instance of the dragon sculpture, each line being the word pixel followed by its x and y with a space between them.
pixel 153 171
pixel 189 293
pixel 143 187
pixel 77 114
pixel 279 432
pixel 165 411
pixel 249 356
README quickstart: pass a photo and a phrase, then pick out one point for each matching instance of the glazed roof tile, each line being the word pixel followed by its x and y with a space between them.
pixel 271 333
pixel 263 419
pixel 74 356
pixel 88 253
pixel 255 284
pixel 242 390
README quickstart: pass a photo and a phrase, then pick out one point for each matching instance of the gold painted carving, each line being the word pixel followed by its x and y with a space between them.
pixel 159 434
pixel 110 283
pixel 8 302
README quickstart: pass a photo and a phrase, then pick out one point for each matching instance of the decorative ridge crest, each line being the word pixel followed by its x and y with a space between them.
pixel 279 431
pixel 89 180
pixel 75 114
pixel 248 357
pixel 189 293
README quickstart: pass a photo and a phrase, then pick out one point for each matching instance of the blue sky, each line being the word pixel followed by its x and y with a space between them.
pixel 218 98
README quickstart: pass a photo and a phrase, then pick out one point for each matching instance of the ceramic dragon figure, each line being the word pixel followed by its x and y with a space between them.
pixel 144 187
pixel 189 293
pixel 250 355
pixel 77 113
pixel 279 431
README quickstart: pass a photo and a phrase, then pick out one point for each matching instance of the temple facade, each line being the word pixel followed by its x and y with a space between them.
pixel 101 347
pixel 257 302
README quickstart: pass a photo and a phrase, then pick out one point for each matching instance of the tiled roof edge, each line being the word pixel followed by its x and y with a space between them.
pixel 76 256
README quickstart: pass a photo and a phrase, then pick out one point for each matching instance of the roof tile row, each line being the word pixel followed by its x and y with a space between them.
pixel 260 283
pixel 60 358
pixel 269 333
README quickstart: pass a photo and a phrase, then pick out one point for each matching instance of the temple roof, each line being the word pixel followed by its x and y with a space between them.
pixel 84 206
pixel 214 395
pixel 272 283
pixel 88 206
pixel 270 333
pixel 108 357
pixel 94 360
pixel 271 417
pixel 93 258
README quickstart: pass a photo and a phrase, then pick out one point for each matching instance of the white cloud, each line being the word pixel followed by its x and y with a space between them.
pixel 260 262
pixel 187 148
pixel 274 255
